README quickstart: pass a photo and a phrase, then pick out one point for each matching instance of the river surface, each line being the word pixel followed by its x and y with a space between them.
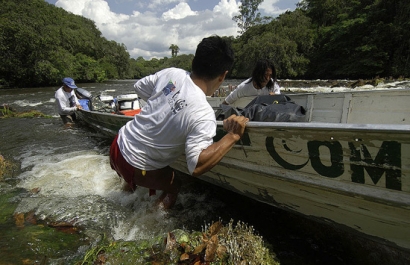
pixel 62 175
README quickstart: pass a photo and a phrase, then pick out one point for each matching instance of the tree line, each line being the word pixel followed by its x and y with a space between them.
pixel 41 43
pixel 327 39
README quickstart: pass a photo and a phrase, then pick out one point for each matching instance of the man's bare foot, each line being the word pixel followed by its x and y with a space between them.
pixel 167 200
pixel 69 125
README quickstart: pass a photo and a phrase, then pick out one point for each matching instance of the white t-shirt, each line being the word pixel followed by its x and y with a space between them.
pixel 66 101
pixel 246 89
pixel 176 119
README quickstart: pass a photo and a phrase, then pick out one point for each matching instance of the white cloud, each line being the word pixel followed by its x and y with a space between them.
pixel 269 7
pixel 73 6
pixel 227 7
pixel 178 12
pixel 96 10
pixel 149 32
pixel 154 4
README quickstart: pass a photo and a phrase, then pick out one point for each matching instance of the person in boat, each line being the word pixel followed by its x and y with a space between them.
pixel 177 119
pixel 262 82
pixel 66 101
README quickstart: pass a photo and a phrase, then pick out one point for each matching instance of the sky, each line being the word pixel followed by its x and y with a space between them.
pixel 148 27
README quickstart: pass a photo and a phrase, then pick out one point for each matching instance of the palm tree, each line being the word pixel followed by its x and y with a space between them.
pixel 174 50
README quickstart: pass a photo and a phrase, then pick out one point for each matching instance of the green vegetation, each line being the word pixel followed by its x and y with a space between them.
pixel 217 244
pixel 6 170
pixel 40 43
pixel 359 38
pixel 7 112
pixel 248 15
pixel 174 50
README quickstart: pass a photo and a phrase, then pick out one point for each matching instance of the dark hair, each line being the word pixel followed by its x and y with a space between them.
pixel 212 58
pixel 258 74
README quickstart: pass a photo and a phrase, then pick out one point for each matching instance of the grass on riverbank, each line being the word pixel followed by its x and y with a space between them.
pixel 7 112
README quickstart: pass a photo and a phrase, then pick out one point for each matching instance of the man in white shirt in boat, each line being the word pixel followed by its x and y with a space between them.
pixel 177 120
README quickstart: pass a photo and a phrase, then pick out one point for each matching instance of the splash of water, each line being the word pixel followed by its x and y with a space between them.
pixel 82 189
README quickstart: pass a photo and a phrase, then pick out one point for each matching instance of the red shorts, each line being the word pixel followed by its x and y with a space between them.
pixel 119 164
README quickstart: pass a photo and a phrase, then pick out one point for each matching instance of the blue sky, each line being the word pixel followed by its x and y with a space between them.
pixel 148 27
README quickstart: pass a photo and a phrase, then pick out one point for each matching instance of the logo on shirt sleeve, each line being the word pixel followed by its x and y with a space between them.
pixel 176 104
pixel 169 88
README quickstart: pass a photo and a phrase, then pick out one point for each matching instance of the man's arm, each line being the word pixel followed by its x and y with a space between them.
pixel 276 88
pixel 235 127
pixel 237 93
pixel 64 109
pixel 77 103
pixel 145 86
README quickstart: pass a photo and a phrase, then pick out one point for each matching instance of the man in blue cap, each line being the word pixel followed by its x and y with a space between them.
pixel 67 102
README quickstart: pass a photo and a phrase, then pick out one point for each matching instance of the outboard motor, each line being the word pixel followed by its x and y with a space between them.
pixel 84 97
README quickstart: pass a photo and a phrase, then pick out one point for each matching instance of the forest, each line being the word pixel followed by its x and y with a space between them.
pixel 320 39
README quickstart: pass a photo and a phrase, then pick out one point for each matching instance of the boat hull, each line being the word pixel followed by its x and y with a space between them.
pixel 106 123
pixel 348 165
pixel 347 177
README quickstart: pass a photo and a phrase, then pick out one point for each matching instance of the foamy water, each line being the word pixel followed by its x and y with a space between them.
pixel 326 89
pixel 82 189
pixel 25 103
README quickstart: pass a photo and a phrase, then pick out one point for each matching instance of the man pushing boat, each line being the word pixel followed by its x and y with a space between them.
pixel 177 119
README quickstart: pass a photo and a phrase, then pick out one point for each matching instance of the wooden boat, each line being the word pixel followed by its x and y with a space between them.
pixel 347 165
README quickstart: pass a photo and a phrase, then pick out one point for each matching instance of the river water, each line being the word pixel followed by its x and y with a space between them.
pixel 62 176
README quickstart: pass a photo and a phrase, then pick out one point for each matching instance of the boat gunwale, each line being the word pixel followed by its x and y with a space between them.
pixel 385 128
pixel 390 128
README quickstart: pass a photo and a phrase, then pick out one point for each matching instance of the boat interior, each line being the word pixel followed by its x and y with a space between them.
pixel 357 107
